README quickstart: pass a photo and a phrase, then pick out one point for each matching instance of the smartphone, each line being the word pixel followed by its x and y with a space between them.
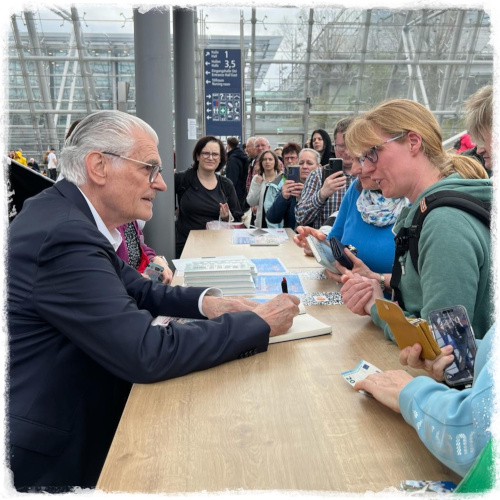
pixel 154 271
pixel 451 326
pixel 334 165
pixel 292 173
pixel 338 252
pixel 322 253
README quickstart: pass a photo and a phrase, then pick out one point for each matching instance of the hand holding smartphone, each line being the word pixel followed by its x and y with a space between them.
pixel 451 326
pixel 292 173
pixel 154 271
pixel 334 165
pixel 338 252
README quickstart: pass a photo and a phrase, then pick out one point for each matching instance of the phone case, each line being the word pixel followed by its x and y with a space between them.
pixel 451 326
pixel 292 173
pixel 408 331
pixel 338 253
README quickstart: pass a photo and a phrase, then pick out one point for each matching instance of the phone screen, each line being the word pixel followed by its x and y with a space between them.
pixel 451 326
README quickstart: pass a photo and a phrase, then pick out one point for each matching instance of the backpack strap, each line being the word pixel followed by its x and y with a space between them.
pixel 407 238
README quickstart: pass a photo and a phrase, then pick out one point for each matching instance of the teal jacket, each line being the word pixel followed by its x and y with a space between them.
pixel 454 260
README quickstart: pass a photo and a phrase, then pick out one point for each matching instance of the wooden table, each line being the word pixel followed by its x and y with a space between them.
pixel 282 420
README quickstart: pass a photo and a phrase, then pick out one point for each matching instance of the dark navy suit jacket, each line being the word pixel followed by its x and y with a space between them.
pixel 80 333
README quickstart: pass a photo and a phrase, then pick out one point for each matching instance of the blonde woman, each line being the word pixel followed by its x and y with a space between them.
pixel 399 145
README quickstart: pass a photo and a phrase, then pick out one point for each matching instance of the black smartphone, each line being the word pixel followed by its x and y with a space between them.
pixel 451 326
pixel 338 252
pixel 292 173
pixel 334 165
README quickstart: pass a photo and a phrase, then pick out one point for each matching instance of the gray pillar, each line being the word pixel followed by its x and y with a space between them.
pixel 153 83
pixel 184 78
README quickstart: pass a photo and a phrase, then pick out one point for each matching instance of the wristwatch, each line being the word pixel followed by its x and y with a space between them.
pixel 382 282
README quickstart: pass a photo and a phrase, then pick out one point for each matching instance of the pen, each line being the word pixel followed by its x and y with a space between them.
pixel 284 286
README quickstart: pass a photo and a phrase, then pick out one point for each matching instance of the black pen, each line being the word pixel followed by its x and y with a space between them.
pixel 284 286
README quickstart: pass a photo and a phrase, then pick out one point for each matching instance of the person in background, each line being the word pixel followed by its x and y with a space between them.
pixel 399 144
pixel 12 154
pixel 463 144
pixel 321 200
pixel 265 186
pixel 52 164
pixel 33 164
pixel 322 143
pixel 252 157
pixel 137 254
pixel 79 318
pixel 18 156
pixel 479 122
pixel 282 211
pixel 291 152
pixel 279 153
pixel 236 168
pixel 202 194
pixel 454 425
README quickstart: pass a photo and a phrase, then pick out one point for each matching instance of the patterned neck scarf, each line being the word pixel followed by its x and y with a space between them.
pixel 133 245
pixel 377 210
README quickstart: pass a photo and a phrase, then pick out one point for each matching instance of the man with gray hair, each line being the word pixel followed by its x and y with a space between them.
pixel 80 318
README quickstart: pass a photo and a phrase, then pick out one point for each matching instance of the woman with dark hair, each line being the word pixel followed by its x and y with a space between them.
pixel 265 186
pixel 202 194
pixel 322 143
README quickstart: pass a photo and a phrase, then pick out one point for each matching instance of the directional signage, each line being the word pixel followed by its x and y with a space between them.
pixel 222 83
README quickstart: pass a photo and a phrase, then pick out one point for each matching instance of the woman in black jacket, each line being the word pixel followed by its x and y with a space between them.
pixel 202 194
pixel 322 143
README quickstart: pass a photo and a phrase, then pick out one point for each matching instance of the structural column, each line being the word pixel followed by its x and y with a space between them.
pixel 153 83
pixel 184 87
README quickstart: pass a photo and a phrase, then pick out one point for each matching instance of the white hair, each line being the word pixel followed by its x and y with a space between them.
pixel 100 131
pixel 309 150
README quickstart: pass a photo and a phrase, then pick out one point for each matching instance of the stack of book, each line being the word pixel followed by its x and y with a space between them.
pixel 233 277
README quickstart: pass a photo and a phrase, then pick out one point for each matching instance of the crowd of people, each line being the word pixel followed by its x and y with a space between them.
pixel 80 312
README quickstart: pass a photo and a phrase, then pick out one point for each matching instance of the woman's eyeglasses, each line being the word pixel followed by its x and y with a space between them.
pixel 207 155
pixel 372 154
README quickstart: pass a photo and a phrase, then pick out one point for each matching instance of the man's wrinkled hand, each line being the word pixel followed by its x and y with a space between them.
pixel 215 306
pixel 279 312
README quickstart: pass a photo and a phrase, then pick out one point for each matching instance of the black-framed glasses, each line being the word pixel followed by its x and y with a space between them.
pixel 154 170
pixel 291 158
pixel 207 155
pixel 372 154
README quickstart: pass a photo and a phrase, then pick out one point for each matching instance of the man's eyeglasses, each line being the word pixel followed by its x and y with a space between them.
pixel 154 170
pixel 290 158
pixel 339 146
pixel 207 155
pixel 372 154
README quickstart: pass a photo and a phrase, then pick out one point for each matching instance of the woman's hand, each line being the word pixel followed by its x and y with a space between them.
pixel 302 233
pixel 166 274
pixel 291 188
pixel 410 356
pixel 358 266
pixel 385 387
pixel 224 211
pixel 359 293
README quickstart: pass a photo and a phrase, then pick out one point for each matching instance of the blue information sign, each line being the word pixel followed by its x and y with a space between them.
pixel 222 83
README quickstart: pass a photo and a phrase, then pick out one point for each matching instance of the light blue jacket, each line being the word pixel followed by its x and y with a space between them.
pixel 454 425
